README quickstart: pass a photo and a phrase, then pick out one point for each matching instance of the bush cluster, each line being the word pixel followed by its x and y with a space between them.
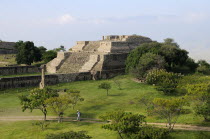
pixel 164 81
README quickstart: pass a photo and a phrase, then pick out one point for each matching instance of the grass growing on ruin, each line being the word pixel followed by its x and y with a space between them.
pixel 7 59
pixel 20 75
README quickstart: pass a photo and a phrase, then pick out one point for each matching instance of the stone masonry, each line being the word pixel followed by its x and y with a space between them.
pixel 107 54
pixel 7 48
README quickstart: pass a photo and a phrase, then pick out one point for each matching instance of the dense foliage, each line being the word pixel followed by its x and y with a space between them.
pixel 203 67
pixel 149 132
pixel 131 126
pixel 168 109
pixel 49 55
pixel 122 122
pixel 36 99
pixel 200 94
pixel 147 62
pixel 175 59
pixel 27 53
pixel 69 135
pixel 164 81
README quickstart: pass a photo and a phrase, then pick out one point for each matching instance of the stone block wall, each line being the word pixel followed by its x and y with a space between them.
pixel 18 70
pixel 7 48
pixel 29 81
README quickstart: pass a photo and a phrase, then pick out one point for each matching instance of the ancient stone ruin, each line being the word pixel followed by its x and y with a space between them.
pixel 108 54
pixel 7 48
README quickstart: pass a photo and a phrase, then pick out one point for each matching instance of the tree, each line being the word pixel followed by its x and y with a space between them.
pixel 149 132
pixel 36 100
pixel 200 94
pixel 42 50
pixel 59 105
pixel 168 109
pixel 106 86
pixel 133 58
pixel 173 55
pixel 49 55
pixel 69 135
pixel 74 96
pixel 122 122
pixel 27 53
pixel 61 48
pixel 164 81
pixel 170 41
pixel 147 62
pixel 203 67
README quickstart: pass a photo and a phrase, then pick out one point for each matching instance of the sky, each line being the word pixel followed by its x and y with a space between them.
pixel 52 23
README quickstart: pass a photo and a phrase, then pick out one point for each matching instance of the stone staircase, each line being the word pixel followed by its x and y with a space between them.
pixel 89 64
pixel 74 62
pixel 92 46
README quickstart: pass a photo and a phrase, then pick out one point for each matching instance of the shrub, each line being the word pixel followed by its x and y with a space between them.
pixel 69 135
pixel 165 81
pixel 149 132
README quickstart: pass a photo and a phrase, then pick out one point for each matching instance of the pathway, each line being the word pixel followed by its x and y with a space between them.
pixel 89 120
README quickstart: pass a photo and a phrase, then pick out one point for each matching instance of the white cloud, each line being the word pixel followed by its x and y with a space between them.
pixel 66 19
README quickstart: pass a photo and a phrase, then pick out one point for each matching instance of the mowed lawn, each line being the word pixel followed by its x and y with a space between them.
pixel 96 103
pixel 26 130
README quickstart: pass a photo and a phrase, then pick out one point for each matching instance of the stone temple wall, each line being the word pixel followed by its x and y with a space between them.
pixel 7 48
pixel 18 70
pixel 30 81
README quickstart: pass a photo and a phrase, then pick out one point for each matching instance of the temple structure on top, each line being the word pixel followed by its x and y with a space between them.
pixel 107 54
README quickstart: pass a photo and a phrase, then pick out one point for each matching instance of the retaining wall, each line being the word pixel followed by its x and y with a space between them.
pixel 27 81
pixel 18 70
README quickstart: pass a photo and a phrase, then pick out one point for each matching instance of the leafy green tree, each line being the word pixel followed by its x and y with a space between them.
pixel 173 55
pixel 42 50
pixel 74 96
pixel 200 94
pixel 147 62
pixel 106 86
pixel 49 55
pixel 203 67
pixel 133 58
pixel 168 109
pixel 122 122
pixel 59 105
pixel 149 132
pixel 170 41
pixel 164 81
pixel 61 48
pixel 69 135
pixel 27 53
pixel 36 100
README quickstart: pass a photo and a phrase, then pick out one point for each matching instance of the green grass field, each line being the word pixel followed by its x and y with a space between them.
pixel 7 59
pixel 96 103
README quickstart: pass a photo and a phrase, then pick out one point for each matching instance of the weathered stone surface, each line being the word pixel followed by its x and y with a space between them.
pixel 107 54
pixel 18 70
pixel 7 48
pixel 27 81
